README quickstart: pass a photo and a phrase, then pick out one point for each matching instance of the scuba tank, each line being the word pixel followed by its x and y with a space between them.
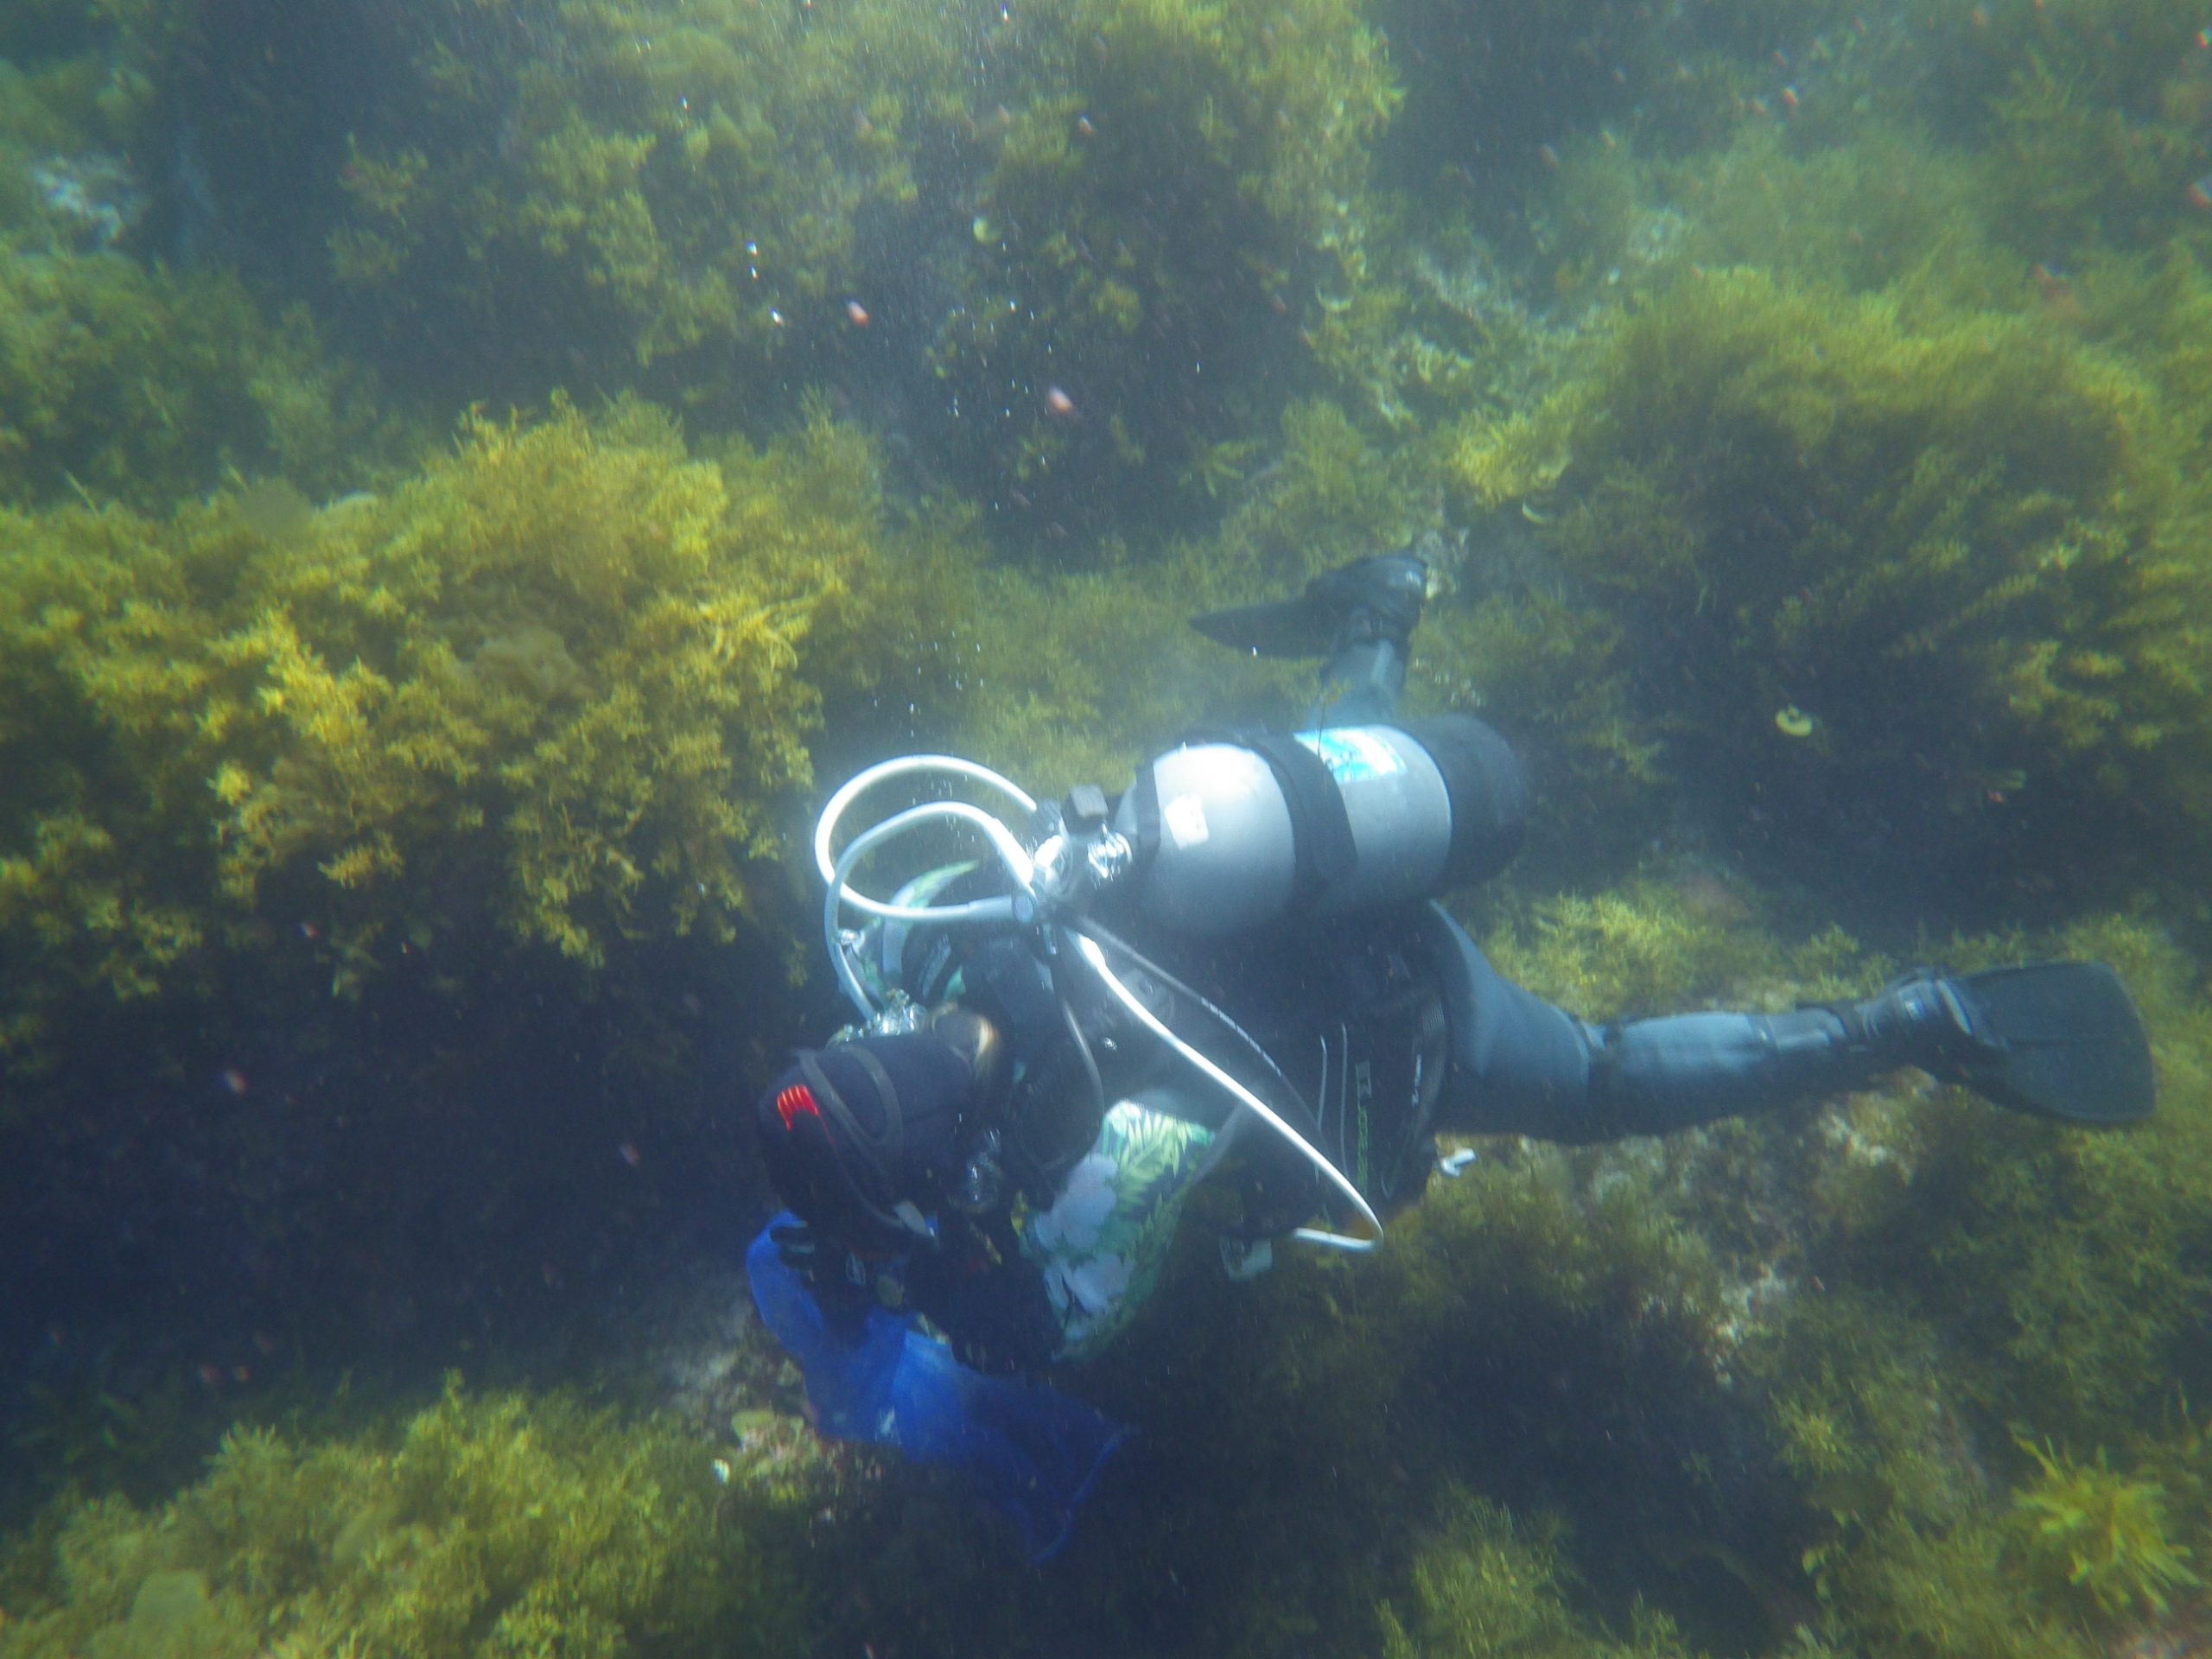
pixel 1237 833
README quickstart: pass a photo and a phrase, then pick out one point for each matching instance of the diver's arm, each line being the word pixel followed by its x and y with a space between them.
pixel 986 1297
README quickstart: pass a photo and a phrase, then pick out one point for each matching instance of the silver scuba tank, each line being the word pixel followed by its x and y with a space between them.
pixel 1231 835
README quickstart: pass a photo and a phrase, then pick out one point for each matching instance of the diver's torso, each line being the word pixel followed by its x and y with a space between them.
pixel 1341 1030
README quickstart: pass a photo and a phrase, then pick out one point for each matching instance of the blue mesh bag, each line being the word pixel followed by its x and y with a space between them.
pixel 1029 1450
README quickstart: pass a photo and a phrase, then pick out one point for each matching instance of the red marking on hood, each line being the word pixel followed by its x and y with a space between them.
pixel 794 1102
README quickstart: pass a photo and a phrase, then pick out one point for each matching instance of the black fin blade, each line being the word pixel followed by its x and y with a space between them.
pixel 1287 627
pixel 2065 1042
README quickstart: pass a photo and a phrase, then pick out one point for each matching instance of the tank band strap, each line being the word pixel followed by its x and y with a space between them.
pixel 1144 798
pixel 1322 848
pixel 1320 829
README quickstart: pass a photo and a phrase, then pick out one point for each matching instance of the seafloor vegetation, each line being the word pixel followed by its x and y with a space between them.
pixel 468 474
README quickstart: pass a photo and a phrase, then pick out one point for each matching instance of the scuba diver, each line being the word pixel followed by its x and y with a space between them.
pixel 1236 973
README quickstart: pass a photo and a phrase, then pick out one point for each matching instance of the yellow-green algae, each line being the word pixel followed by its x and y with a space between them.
pixel 711 186
pixel 558 669
pixel 1493 1586
pixel 1878 508
pixel 121 384
pixel 487 1524
pixel 2101 1533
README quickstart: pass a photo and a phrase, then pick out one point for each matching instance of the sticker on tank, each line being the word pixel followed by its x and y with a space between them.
pixel 1352 753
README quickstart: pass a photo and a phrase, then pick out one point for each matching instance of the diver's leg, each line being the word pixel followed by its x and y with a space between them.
pixel 1359 685
pixel 1520 1066
pixel 1651 1076
pixel 1377 604
pixel 1359 617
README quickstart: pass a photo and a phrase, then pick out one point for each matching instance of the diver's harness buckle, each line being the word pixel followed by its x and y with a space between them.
pixel 1073 855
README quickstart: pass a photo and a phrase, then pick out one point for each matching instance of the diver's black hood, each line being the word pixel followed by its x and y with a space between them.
pixel 850 1133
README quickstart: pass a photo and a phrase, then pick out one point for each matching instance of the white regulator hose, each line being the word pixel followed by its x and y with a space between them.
pixel 1017 907
pixel 825 827
pixel 1088 948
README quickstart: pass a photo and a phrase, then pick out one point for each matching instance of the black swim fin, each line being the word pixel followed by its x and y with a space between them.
pixel 1374 598
pixel 1288 627
pixel 2060 1039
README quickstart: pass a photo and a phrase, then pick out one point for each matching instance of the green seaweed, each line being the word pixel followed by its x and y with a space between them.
pixel 1329 494
pixel 1908 1555
pixel 486 1524
pixel 1147 119
pixel 976 221
pixel 558 670
pixel 121 384
pixel 689 185
pixel 1491 1586
pixel 1939 1592
pixel 77 75
pixel 2073 1263
pixel 1890 205
pixel 1965 544
pixel 1981 1270
pixel 2071 171
pixel 2099 1534
pixel 2087 110
pixel 1669 940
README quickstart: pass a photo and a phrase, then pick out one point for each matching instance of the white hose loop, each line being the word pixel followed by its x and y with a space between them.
pixel 1012 853
pixel 825 826
pixel 1091 954
pixel 839 893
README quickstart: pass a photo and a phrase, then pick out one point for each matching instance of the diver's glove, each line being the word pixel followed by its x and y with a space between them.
pixel 2058 1039
pixel 1372 598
